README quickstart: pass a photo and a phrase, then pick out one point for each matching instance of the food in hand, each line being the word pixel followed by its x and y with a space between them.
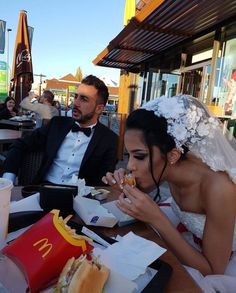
pixel 82 276
pixel 130 179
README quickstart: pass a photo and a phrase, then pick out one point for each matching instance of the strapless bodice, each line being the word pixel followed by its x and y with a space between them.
pixel 194 222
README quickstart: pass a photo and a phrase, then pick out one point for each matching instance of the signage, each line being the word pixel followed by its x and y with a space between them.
pixel 73 88
pixel 3 80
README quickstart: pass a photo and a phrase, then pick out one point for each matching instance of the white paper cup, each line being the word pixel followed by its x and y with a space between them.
pixel 5 196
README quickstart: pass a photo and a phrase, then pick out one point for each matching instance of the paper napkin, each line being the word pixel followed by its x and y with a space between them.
pixel 130 256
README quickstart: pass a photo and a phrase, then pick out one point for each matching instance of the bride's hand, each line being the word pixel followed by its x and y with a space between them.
pixel 138 204
pixel 116 178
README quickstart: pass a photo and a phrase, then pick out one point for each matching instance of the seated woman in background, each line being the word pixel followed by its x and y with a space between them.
pixel 8 108
pixel 177 140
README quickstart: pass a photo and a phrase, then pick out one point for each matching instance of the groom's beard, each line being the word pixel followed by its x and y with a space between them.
pixel 83 118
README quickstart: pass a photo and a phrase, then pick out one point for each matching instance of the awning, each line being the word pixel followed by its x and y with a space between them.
pixel 161 25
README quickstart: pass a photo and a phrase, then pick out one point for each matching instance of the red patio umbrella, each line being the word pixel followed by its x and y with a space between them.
pixel 22 69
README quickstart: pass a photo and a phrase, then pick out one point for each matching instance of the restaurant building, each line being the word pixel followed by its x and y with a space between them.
pixel 178 46
pixel 67 86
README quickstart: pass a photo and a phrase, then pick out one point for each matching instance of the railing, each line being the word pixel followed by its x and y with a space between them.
pixel 115 122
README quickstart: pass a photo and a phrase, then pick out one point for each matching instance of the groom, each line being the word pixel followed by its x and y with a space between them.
pixel 79 145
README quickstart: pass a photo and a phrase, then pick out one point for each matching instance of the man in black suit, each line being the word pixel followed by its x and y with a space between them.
pixel 80 145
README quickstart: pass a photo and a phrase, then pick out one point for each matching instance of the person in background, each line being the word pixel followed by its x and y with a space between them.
pixel 57 105
pixel 178 141
pixel 231 94
pixel 78 145
pixel 69 112
pixel 43 108
pixel 8 108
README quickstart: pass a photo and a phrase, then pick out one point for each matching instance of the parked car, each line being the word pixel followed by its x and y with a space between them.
pixel 110 108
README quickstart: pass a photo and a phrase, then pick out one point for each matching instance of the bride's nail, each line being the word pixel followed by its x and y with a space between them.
pixel 113 181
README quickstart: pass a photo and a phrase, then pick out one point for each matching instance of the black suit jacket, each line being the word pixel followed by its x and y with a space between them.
pixel 99 158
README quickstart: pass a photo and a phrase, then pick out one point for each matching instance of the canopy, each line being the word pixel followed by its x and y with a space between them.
pixel 160 26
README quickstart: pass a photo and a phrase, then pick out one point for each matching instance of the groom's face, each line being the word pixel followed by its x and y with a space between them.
pixel 86 107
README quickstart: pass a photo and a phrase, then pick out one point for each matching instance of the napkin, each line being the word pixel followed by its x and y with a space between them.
pixel 130 256
pixel 83 190
pixel 30 203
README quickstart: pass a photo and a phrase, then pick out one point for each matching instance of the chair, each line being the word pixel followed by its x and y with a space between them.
pixel 29 168
pixel 2 159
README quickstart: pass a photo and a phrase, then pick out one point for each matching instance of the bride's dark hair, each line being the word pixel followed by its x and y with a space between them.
pixel 154 131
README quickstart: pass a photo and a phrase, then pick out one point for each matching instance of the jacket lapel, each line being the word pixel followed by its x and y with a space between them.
pixel 92 144
pixel 58 135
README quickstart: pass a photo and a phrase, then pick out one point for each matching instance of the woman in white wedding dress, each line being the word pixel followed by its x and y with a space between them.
pixel 178 141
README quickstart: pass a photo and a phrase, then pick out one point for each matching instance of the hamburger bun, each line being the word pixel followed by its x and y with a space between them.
pixel 82 276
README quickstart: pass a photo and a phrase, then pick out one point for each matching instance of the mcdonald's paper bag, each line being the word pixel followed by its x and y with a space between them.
pixel 42 251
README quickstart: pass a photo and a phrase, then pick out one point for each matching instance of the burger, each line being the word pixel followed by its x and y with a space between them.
pixel 82 276
pixel 130 179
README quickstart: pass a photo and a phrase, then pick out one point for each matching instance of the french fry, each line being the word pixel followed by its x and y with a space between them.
pixel 77 236
pixel 72 232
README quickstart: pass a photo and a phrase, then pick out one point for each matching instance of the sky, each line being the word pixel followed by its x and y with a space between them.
pixel 67 34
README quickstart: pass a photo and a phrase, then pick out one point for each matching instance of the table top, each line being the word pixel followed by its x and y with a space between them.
pixel 9 135
pixel 180 280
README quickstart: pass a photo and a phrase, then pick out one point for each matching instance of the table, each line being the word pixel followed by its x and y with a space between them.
pixel 9 135
pixel 180 281
pixel 17 125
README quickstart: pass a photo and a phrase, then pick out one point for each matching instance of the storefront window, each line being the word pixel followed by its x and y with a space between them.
pixel 227 83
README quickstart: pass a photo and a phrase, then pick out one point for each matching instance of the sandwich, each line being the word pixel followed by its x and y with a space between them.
pixel 130 179
pixel 82 276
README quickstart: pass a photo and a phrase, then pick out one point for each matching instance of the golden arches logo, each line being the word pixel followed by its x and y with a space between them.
pixel 44 245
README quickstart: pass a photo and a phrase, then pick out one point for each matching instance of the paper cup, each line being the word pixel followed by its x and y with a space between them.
pixel 5 196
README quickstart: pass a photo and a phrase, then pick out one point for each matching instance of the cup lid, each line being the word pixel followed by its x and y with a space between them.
pixel 5 183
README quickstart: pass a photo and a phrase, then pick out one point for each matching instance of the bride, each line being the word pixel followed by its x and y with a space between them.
pixel 177 140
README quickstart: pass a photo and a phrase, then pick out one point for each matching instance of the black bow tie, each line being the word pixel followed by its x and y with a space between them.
pixel 86 130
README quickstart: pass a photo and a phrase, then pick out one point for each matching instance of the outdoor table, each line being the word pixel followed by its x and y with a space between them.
pixel 180 280
pixel 17 125
pixel 8 136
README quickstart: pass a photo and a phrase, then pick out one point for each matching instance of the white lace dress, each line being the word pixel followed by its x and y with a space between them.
pixel 195 224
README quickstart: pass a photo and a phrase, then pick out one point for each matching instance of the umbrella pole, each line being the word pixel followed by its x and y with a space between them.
pixel 21 88
pixel 15 85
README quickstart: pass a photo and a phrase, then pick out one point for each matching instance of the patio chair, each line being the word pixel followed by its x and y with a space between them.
pixel 29 168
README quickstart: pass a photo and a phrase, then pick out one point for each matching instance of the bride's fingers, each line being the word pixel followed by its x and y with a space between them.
pixel 104 180
pixel 119 175
pixel 124 204
pixel 109 178
pixel 131 192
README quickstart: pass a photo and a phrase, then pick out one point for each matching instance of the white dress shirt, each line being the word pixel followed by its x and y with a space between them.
pixel 69 157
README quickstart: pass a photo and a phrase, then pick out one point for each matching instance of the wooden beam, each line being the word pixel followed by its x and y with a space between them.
pixel 216 48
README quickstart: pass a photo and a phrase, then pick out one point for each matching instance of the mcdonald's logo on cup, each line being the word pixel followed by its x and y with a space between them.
pixel 45 245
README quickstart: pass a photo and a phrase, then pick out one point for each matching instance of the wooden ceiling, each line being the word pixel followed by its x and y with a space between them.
pixel 161 25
